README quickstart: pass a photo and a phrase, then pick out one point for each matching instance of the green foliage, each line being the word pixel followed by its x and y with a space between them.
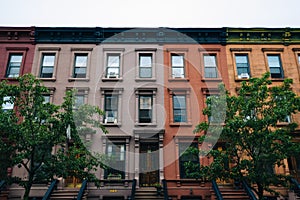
pixel 34 129
pixel 254 143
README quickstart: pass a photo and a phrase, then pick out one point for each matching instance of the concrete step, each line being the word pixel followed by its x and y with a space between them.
pixel 66 194
pixel 148 193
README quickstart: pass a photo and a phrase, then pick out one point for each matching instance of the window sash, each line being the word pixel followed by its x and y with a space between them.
pixel 145 109
pixel 275 67
pixel 177 62
pixel 210 66
pixel 80 65
pixel 117 154
pixel 14 65
pixel 111 108
pixel 183 158
pixel 6 105
pixel 47 66
pixel 179 109
pixel 242 64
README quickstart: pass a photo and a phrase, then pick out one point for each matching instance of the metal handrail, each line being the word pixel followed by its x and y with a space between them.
pixel 248 190
pixel 133 189
pixel 165 189
pixel 217 190
pixel 50 190
pixel 82 189
pixel 2 184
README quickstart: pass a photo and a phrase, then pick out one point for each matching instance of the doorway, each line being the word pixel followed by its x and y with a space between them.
pixel 149 164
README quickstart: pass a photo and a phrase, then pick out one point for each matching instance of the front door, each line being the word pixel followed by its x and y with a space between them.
pixel 149 164
pixel 294 166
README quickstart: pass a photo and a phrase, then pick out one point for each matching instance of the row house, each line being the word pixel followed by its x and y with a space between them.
pixel 254 51
pixel 16 57
pixel 152 84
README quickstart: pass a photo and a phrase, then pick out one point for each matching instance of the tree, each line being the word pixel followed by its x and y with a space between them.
pixel 33 128
pixel 254 142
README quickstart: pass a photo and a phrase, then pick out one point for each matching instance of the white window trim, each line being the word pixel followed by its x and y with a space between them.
pixel 48 50
pixel 77 51
pixel 114 91
pixel 149 51
pixel 146 91
pixel 107 52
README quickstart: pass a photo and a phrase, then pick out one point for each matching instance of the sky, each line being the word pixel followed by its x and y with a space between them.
pixel 152 13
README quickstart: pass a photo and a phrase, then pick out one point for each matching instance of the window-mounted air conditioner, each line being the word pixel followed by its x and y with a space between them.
pixel 243 75
pixel 112 75
pixel 110 120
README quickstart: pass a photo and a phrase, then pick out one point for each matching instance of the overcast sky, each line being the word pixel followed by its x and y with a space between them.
pixel 151 13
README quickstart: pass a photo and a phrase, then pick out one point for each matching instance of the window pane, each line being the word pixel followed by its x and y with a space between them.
pixel 179 102
pixel 145 116
pixel 79 100
pixel 241 59
pixel 14 72
pixel 81 61
pixel 116 165
pixel 113 61
pixel 48 60
pixel 210 72
pixel 46 98
pixel 145 72
pixel 145 102
pixel 145 61
pixel 274 61
pixel 178 72
pixel 7 105
pixel 112 71
pixel 111 102
pixel 177 60
pixel 16 58
pixel 210 61
pixel 80 70
pixel 48 70
pixel 179 115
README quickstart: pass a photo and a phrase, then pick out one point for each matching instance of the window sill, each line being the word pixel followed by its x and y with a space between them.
pixel 211 79
pixel 145 79
pixel 181 124
pixel 179 79
pixel 79 79
pixel 283 123
pixel 277 79
pixel 112 79
pixel 111 124
pixel 145 124
pixel 241 79
pixel 48 79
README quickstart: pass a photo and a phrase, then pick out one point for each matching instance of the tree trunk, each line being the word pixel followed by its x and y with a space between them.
pixel 260 191
pixel 28 187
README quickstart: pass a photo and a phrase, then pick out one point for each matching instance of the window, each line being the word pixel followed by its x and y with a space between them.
pixel 113 66
pixel 116 163
pixel 145 65
pixel 179 108
pixel 188 154
pixel 111 108
pixel 242 65
pixel 46 98
pixel 79 100
pixel 7 104
pixel 210 66
pixel 275 67
pixel 80 66
pixel 47 65
pixel 177 62
pixel 145 109
pixel 14 65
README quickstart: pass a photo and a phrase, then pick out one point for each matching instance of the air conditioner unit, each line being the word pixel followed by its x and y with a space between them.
pixel 112 75
pixel 244 75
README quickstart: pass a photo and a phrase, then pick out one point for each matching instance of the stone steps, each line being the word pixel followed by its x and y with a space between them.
pixel 148 193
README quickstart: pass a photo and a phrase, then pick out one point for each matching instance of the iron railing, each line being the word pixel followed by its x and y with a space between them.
pixel 217 190
pixel 50 189
pixel 2 184
pixel 82 189
pixel 133 189
pixel 248 190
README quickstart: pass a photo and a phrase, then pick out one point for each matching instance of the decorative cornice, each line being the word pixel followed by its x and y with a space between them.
pixel 285 36
pixel 99 35
pixel 17 34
